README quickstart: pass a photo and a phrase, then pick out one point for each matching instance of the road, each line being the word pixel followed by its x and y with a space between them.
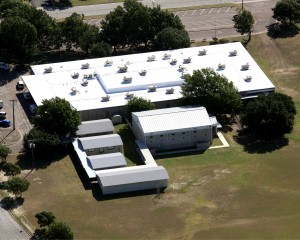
pixel 9 228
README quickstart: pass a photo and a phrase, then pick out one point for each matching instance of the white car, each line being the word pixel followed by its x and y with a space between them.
pixel 4 66
pixel 27 95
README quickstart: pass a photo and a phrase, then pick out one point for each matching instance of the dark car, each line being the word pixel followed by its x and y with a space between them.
pixel 5 123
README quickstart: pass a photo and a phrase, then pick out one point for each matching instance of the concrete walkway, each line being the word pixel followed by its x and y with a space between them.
pixel 223 140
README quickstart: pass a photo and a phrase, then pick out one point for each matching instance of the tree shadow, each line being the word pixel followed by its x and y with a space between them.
pixel 9 203
pixel 256 144
pixel 16 72
pixel 27 162
pixel 282 30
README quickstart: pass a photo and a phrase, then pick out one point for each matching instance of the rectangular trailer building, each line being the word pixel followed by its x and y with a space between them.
pixel 129 179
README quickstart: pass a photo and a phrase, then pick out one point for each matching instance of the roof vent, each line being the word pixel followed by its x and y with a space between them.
pixel 233 53
pixel 202 52
pixel 85 65
pixel 245 66
pixel 48 70
pixel 73 90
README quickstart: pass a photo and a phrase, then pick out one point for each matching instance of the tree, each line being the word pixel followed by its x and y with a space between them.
pixel 73 29
pixel 17 185
pixel 243 23
pixel 88 38
pixel 4 151
pixel 45 218
pixel 271 115
pixel 287 10
pixel 18 37
pixel 138 104
pixel 171 38
pixel 59 230
pixel 44 142
pixel 211 90
pixel 57 116
pixel 11 169
pixel 100 49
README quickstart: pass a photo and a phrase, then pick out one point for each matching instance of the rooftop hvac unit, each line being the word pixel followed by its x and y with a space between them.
pixel 127 79
pixel 75 75
pixel 233 53
pixel 169 90
pixel 248 79
pixel 221 66
pixel 202 52
pixel 108 63
pixel 116 119
pixel 151 58
pixel 181 68
pixel 173 61
pixel 123 69
pixel 73 90
pixel 84 82
pixel 187 60
pixel 245 66
pixel 152 88
pixel 105 98
pixel 167 56
pixel 85 65
pixel 129 95
pixel 48 70
pixel 184 74
pixel 143 72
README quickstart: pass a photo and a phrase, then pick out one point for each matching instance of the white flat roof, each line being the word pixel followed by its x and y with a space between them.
pixel 110 140
pixel 105 161
pixel 169 119
pixel 107 80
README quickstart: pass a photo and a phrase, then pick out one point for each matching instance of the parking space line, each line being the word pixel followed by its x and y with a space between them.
pixel 177 13
pixel 228 9
pixel 211 10
pixel 202 11
pixel 185 13
pixel 90 22
pixel 193 12
pixel 219 10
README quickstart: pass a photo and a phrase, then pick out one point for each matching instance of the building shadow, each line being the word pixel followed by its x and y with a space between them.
pixel 179 153
pixel 256 144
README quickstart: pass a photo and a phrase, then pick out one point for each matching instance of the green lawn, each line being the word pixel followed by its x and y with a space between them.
pixel 248 191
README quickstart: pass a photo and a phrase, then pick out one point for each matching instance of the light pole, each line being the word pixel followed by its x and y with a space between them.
pixel 242 4
pixel 31 145
pixel 14 124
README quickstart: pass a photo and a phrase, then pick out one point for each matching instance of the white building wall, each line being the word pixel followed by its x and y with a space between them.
pixel 133 187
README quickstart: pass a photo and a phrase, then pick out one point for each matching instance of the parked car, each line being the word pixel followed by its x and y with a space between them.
pixel 20 85
pixel 2 115
pixel 5 123
pixel 27 95
pixel 4 66
pixel 1 104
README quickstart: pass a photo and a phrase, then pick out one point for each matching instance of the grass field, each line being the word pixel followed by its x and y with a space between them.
pixel 241 192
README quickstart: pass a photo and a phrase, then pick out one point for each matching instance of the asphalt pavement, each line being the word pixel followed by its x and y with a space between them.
pixel 9 228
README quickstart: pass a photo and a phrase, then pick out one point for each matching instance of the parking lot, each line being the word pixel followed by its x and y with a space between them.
pixel 13 100
pixel 199 19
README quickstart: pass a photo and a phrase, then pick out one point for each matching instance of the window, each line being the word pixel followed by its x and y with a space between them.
pixel 101 150
pixel 173 134
pixel 110 148
pixel 91 150
pixel 161 135
pixel 195 131
pixel 183 133
pixel 151 136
